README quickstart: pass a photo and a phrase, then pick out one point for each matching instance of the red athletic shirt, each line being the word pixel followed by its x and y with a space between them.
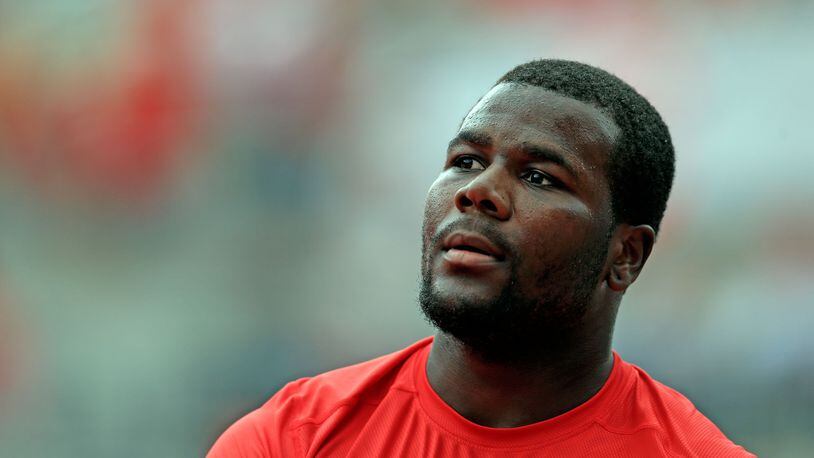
pixel 386 407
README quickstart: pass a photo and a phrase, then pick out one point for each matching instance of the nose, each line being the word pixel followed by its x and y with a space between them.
pixel 486 194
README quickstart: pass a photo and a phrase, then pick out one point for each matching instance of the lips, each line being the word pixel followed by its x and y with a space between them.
pixel 470 249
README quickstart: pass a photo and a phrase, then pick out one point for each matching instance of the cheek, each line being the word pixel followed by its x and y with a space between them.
pixel 564 245
pixel 555 233
pixel 439 199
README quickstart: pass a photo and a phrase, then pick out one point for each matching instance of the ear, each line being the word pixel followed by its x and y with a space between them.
pixel 631 248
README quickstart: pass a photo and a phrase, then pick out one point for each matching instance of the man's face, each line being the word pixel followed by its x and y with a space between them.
pixel 516 226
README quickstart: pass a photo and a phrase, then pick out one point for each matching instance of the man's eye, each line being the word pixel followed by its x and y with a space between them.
pixel 468 163
pixel 538 178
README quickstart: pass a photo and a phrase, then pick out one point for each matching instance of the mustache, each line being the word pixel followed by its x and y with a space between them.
pixel 485 228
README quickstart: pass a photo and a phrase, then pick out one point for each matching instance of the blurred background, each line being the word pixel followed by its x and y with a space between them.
pixel 201 200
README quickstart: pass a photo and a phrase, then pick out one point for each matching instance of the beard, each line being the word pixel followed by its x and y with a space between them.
pixel 530 317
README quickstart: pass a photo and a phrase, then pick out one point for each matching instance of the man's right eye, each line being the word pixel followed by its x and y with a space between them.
pixel 468 163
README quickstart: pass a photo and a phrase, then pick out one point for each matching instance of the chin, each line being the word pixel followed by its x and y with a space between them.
pixel 463 314
pixel 504 327
pixel 464 294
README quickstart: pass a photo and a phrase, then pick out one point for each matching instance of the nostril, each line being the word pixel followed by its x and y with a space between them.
pixel 465 201
pixel 489 205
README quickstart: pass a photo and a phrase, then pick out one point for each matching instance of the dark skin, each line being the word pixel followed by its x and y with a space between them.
pixel 532 163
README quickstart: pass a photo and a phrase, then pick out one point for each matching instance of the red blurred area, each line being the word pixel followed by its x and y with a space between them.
pixel 114 131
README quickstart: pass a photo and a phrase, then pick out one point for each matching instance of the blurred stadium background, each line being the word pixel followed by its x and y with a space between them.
pixel 204 199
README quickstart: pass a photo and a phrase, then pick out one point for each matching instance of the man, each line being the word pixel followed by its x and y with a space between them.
pixel 545 212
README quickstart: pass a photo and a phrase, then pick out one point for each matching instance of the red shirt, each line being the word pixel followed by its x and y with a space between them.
pixel 386 407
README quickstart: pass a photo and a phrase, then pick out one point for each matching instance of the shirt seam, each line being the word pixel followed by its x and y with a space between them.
pixel 561 437
pixel 655 427
pixel 314 421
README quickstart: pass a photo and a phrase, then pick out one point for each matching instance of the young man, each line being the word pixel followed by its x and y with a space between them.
pixel 545 212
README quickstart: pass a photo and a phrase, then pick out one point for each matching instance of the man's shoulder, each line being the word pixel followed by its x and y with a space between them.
pixel 310 401
pixel 317 396
pixel 684 430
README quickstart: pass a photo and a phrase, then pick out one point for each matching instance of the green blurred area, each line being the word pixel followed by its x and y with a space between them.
pixel 188 222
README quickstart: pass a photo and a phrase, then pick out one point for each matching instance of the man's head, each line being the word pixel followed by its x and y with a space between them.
pixel 545 211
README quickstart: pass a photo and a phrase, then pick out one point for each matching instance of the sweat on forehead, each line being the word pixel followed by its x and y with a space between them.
pixel 530 106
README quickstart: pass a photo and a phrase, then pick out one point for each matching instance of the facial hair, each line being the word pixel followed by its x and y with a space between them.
pixel 517 326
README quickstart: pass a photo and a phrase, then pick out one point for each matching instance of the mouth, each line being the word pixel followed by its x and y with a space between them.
pixel 470 249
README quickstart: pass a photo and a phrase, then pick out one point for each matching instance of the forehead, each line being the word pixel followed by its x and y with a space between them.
pixel 513 114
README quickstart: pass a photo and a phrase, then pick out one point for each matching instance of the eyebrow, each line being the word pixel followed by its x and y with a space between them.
pixel 471 137
pixel 537 152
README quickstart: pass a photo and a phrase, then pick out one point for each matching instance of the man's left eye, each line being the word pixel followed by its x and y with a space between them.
pixel 537 178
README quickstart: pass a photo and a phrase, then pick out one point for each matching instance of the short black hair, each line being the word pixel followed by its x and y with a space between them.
pixel 642 164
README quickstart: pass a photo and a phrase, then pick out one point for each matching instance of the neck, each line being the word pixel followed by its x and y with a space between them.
pixel 506 395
